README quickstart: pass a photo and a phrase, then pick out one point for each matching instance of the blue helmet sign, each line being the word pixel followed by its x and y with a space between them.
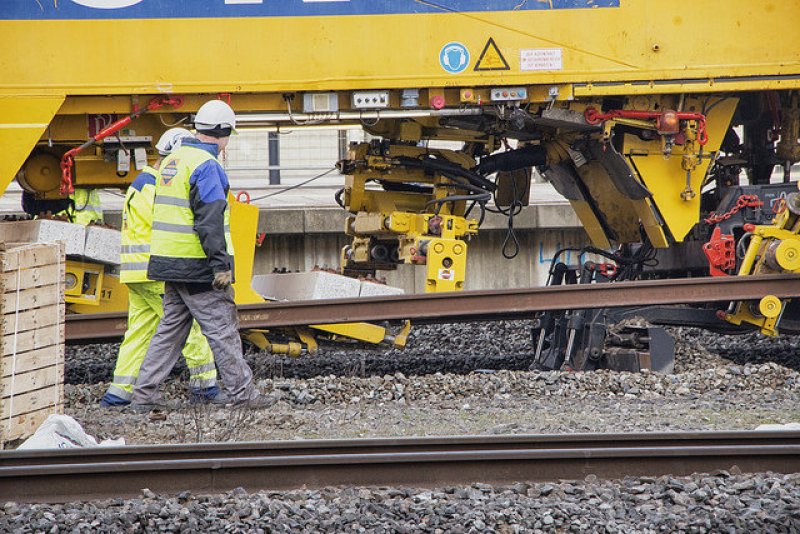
pixel 454 57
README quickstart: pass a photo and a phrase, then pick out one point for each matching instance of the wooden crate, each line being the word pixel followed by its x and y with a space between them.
pixel 31 337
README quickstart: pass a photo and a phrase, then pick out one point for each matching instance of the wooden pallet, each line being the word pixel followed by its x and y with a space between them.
pixel 31 337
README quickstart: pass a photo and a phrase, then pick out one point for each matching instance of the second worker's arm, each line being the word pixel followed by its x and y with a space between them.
pixel 208 200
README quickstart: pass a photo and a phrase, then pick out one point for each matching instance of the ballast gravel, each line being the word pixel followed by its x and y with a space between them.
pixel 449 348
pixel 721 502
pixel 707 393
pixel 756 382
pixel 453 348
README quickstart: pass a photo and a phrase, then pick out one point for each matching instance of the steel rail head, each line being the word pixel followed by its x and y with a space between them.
pixel 400 444
pixel 476 305
pixel 458 461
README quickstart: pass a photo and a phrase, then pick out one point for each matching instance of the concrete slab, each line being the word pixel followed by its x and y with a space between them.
pixel 316 285
pixel 45 231
pixel 374 289
pixel 102 245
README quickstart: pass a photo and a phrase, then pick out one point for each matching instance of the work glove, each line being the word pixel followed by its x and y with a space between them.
pixel 222 280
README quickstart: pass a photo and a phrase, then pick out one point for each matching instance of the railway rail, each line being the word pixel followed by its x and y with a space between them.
pixel 72 475
pixel 474 305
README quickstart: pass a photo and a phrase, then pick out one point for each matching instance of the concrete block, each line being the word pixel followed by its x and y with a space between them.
pixel 102 245
pixel 325 221
pixel 281 221
pixel 317 285
pixel 373 289
pixel 45 231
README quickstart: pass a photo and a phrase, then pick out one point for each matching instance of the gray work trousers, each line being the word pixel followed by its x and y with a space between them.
pixel 215 312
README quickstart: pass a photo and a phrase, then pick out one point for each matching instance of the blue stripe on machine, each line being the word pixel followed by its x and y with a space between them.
pixel 156 9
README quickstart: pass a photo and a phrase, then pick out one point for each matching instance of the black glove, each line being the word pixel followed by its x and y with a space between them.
pixel 222 280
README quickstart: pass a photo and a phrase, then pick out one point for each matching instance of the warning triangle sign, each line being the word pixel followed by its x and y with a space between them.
pixel 491 58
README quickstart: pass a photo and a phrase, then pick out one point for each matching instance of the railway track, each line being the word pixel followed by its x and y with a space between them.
pixel 474 305
pixel 86 474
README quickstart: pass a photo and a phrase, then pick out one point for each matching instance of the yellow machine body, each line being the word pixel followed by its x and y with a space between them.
pixel 69 65
pixel 409 72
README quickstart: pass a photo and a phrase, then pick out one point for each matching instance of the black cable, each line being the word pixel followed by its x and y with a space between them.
pixel 317 177
pixel 483 211
pixel 511 235
pixel 457 198
pixel 743 244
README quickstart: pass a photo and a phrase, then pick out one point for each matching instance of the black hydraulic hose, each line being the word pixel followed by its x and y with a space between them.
pixel 522 158
pixel 396 187
pixel 445 167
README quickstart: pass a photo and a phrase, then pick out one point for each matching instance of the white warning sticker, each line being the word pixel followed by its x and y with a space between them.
pixel 540 59
pixel 446 274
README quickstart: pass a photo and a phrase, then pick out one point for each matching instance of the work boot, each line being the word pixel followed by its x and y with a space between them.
pixel 221 398
pixel 205 395
pixel 114 405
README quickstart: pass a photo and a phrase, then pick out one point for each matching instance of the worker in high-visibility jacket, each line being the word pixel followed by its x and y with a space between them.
pixel 145 297
pixel 84 208
pixel 193 254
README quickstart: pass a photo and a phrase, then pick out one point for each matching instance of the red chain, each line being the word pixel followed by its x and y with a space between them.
pixel 744 201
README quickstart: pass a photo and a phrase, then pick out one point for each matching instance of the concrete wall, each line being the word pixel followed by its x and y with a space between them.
pixel 299 240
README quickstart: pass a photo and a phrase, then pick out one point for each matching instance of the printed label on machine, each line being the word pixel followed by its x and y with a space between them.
pixel 446 274
pixel 531 59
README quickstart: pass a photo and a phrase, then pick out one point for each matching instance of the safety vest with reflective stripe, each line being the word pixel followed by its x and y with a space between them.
pixel 137 227
pixel 86 207
pixel 173 219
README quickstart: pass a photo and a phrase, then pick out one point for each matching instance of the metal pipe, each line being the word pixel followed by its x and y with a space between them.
pixel 269 119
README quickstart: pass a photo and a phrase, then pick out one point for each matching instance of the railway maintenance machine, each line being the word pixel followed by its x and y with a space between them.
pixel 670 126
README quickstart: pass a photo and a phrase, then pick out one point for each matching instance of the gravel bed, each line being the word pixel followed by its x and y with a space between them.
pixel 707 392
pixel 454 348
pixel 496 402
pixel 721 502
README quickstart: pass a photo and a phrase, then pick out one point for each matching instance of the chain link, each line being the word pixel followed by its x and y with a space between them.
pixel 744 201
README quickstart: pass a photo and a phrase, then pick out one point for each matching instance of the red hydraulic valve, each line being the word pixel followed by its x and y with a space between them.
pixel 665 120
pixel 721 254
pixel 68 159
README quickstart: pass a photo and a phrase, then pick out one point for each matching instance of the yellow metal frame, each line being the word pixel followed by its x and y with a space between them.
pixel 780 241
pixel 645 40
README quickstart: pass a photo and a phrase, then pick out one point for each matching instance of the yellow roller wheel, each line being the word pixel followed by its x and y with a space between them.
pixel 41 174
pixel 770 306
pixel 788 254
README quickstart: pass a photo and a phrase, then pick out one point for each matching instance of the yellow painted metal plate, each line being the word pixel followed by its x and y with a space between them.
pixel 665 178
pixel 244 223
pixel 113 51
pixel 23 120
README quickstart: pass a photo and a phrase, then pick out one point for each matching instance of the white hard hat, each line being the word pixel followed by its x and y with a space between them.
pixel 171 139
pixel 215 114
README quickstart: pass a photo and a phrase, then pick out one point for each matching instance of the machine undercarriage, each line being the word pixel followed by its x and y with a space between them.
pixel 672 185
